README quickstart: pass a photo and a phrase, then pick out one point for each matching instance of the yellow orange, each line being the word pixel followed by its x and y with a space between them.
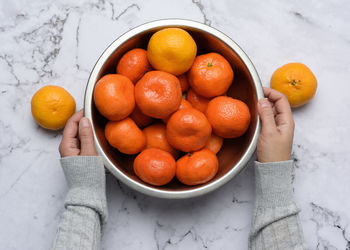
pixel 52 106
pixel 172 50
pixel 296 81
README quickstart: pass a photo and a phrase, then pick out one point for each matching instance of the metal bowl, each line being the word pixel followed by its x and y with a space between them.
pixel 234 154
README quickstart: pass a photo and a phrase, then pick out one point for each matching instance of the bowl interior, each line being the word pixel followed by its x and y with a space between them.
pixel 242 89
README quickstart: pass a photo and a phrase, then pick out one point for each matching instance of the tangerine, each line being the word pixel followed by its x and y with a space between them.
pixel 188 130
pixel 183 82
pixel 184 104
pixel 52 106
pixel 155 166
pixel 172 50
pixel 197 168
pixel 158 94
pixel 156 138
pixel 197 101
pixel 214 143
pixel 114 96
pixel 210 75
pixel 125 136
pixel 134 64
pixel 296 81
pixel 230 118
pixel 140 118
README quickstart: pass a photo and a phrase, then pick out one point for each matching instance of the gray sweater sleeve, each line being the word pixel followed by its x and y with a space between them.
pixel 275 223
pixel 85 205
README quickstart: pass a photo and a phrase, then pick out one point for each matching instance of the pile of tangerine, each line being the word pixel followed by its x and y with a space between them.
pixel 149 116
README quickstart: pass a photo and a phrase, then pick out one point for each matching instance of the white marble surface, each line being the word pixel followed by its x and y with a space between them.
pixel 57 42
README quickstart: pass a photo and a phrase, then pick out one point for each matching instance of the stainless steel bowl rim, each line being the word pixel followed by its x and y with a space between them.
pixel 89 97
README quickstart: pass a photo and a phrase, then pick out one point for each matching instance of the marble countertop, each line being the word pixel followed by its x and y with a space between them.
pixel 58 42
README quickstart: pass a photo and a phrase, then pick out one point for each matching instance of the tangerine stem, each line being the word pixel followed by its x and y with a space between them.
pixel 293 82
pixel 210 64
pixel 190 154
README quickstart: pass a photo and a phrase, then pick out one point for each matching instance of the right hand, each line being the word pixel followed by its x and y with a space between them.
pixel 277 129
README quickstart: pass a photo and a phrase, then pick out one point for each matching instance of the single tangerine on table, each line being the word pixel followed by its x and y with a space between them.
pixel 156 138
pixel 188 130
pixel 155 166
pixel 183 82
pixel 140 118
pixel 230 118
pixel 125 136
pixel 210 75
pixel 197 101
pixel 172 50
pixel 214 143
pixel 158 94
pixel 134 64
pixel 296 81
pixel 114 96
pixel 197 168
pixel 184 104
pixel 52 106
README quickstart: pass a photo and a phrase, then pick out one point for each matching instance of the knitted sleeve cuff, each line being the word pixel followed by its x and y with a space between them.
pixel 273 184
pixel 87 183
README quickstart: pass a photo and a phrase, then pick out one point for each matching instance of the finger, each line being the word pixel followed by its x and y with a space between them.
pixel 73 143
pixel 282 107
pixel 69 147
pixel 87 146
pixel 69 152
pixel 266 115
pixel 71 128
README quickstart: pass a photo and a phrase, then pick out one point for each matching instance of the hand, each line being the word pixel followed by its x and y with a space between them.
pixel 276 138
pixel 77 137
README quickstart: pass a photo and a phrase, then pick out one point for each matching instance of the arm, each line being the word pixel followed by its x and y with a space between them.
pixel 275 218
pixel 85 206
pixel 275 222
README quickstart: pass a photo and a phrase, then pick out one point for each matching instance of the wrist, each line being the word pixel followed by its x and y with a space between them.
pixel 272 160
pixel 273 182
pixel 273 156
pixel 83 171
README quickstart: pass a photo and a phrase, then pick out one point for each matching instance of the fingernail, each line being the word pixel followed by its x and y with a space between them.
pixel 84 122
pixel 264 102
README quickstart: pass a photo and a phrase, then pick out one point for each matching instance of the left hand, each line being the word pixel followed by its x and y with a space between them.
pixel 77 137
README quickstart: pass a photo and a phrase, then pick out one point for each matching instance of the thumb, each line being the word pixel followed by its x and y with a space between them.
pixel 87 146
pixel 266 115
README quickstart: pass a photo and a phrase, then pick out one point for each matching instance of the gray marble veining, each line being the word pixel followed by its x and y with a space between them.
pixel 57 42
